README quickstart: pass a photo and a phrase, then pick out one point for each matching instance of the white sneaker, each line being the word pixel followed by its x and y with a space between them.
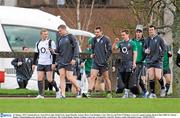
pixel 131 95
pixel 58 94
pixel 79 94
pixel 145 95
pixel 125 95
pixel 163 93
pixel 152 95
pixel 39 97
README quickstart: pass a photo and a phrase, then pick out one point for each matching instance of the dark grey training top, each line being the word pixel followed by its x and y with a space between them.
pixel 157 48
pixel 102 50
pixel 67 48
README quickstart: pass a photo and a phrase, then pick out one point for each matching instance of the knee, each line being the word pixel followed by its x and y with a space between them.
pixel 158 77
pixel 93 77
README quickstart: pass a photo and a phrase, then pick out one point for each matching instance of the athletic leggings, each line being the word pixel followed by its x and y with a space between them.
pixel 126 77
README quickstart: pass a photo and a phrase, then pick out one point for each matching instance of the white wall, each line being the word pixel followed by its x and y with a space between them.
pixel 10 2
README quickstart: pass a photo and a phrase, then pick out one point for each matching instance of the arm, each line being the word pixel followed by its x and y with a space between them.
pixel 92 47
pixel 75 46
pixel 163 47
pixel 134 54
pixel 134 58
pixel 108 48
pixel 14 62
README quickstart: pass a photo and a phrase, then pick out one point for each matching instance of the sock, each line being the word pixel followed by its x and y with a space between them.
pixel 162 83
pixel 152 86
pixel 53 83
pixel 41 88
pixel 167 87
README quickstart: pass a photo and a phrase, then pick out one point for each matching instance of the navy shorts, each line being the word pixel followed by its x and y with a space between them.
pixel 166 71
pixel 101 68
pixel 67 67
pixel 44 68
pixel 125 66
pixel 155 65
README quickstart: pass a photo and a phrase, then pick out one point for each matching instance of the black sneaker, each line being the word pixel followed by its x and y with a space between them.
pixel 84 95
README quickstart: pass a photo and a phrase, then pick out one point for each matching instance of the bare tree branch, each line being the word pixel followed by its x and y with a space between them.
pixel 150 11
pixel 78 14
pixel 90 15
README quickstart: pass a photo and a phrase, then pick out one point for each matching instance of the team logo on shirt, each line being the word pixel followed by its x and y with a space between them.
pixel 43 50
pixel 125 50
pixel 155 40
pixel 101 41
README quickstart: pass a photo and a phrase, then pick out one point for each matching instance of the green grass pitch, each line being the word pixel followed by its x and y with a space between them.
pixel 91 105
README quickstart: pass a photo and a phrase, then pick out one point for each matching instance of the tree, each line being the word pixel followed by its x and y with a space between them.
pixel 160 13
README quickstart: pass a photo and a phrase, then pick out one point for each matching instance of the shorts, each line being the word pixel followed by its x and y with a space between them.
pixel 125 66
pixel 68 67
pixel 88 74
pixel 44 68
pixel 155 65
pixel 166 71
pixel 101 69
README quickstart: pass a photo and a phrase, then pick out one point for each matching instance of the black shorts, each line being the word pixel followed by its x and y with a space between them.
pixel 155 65
pixel 166 71
pixel 44 68
pixel 125 66
pixel 101 69
pixel 68 67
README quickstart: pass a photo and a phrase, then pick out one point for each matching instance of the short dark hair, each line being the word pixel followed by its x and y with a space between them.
pixel 152 26
pixel 126 31
pixel 62 26
pixel 98 28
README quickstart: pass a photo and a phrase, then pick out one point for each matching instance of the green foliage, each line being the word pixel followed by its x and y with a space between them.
pixel 176 45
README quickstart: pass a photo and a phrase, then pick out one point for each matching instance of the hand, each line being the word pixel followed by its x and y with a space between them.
pixel 92 55
pixel 82 65
pixel 169 54
pixel 19 63
pixel 116 40
pixel 52 50
pixel 113 69
pixel 147 51
pixel 53 66
pixel 33 67
pixel 134 65
pixel 73 62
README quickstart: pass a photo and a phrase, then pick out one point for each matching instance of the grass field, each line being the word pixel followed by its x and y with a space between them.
pixel 92 105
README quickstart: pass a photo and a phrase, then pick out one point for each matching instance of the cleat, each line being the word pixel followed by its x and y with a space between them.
pixel 145 95
pixel 58 94
pixel 39 97
pixel 79 94
pixel 84 95
pixel 152 95
pixel 125 95
pixel 163 93
pixel 131 95
pixel 109 95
